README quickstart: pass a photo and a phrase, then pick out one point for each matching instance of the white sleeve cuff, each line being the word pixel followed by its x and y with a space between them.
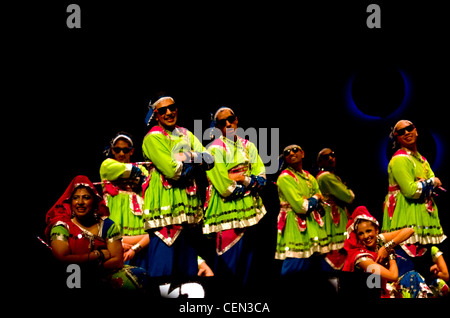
pixel 127 172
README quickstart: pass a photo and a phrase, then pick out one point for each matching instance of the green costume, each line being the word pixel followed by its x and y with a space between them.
pixel 409 203
pixel 225 211
pixel 336 196
pixel 300 234
pixel 123 196
pixel 169 200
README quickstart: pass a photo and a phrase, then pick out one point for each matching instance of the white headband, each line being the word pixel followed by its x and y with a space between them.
pixel 221 109
pixel 152 107
pixel 121 136
pixel 394 129
pixel 161 100
pixel 408 121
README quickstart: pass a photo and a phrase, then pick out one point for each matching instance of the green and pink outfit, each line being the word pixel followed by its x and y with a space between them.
pixel 231 207
pixel 409 203
pixel 172 205
pixel 301 229
pixel 336 197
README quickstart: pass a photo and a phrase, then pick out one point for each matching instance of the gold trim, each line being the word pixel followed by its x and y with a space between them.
pixel 170 220
pixel 304 254
pixel 169 240
pixel 237 239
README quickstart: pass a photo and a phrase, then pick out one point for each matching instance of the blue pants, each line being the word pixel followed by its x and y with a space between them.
pixel 178 260
pixel 140 259
pixel 420 264
pixel 404 261
pixel 296 265
pixel 235 263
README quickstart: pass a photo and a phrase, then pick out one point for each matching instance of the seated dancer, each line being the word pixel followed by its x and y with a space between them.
pixel 336 196
pixel 172 205
pixel 302 236
pixel 372 252
pixel 81 233
pixel 409 202
pixel 122 191
pixel 233 204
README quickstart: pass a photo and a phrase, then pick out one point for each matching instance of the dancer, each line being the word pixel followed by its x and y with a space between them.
pixel 302 237
pixel 409 202
pixel 81 233
pixel 172 205
pixel 337 197
pixel 122 191
pixel 372 252
pixel 233 203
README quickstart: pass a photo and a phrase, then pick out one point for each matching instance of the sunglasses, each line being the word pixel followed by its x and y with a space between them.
pixel 403 131
pixel 125 150
pixel 288 151
pixel 327 156
pixel 223 122
pixel 163 110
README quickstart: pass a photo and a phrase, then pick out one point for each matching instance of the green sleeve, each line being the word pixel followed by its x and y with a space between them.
pixel 59 232
pixel 402 170
pixel 257 167
pixel 112 170
pixel 114 233
pixel 291 192
pixel 218 175
pixel 330 184
pixel 196 145
pixel 157 149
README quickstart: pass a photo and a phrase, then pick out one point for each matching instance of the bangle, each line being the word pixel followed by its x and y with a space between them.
pixel 389 246
pixel 96 252
pixel 136 248
pixel 101 257
pixel 392 256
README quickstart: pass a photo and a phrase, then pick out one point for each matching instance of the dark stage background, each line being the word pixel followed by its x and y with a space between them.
pixel 283 65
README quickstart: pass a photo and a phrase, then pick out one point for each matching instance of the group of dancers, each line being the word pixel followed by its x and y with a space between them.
pixel 147 221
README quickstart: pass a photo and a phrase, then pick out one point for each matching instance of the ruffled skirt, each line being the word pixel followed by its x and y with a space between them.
pixel 224 214
pixel 400 212
pixel 296 241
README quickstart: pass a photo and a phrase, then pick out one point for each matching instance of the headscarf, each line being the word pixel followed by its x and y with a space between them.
pixel 152 108
pixel 392 135
pixel 282 164
pixel 120 135
pixel 62 209
pixel 214 131
pixel 214 117
pixel 352 245
pixel 321 153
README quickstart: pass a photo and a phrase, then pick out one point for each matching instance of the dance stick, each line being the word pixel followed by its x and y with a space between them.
pixel 142 163
pixel 43 242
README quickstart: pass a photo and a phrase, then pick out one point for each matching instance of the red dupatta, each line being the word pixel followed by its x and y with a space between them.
pixel 62 210
pixel 354 248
